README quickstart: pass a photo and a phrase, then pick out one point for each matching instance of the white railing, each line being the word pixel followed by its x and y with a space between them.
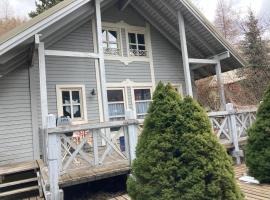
pixel 89 145
pixel 231 126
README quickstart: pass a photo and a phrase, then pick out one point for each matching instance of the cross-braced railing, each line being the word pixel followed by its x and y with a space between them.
pixel 231 126
pixel 89 146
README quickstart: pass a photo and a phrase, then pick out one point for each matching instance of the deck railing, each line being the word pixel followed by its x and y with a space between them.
pixel 231 126
pixel 92 145
pixel 89 145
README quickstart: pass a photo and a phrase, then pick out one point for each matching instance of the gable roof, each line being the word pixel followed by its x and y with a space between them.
pixel 203 39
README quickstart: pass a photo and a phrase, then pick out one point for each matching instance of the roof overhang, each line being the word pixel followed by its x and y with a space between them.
pixel 203 39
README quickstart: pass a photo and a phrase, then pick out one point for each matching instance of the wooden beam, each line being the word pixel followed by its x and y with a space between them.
pixel 157 26
pixel 221 86
pixel 168 23
pixel 101 61
pixel 184 51
pixel 71 54
pixel 124 4
pixel 193 32
pixel 202 61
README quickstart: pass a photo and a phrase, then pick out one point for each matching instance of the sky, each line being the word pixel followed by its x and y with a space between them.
pixel 261 7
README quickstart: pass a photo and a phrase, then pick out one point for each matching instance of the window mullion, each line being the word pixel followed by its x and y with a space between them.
pixel 71 104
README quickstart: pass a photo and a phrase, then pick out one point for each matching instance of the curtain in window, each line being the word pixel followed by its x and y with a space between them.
pixel 116 109
pixel 142 107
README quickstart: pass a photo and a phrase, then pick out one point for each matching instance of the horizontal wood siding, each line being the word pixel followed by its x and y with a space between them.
pixel 167 60
pixel 80 39
pixel 70 71
pixel 129 15
pixel 117 71
pixel 16 140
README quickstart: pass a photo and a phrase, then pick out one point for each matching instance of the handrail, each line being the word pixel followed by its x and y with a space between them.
pixel 222 113
pixel 88 126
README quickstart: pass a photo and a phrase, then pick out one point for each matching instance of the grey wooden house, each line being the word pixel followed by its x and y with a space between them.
pixel 91 60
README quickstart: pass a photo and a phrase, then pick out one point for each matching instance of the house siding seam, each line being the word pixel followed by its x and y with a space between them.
pixel 16 141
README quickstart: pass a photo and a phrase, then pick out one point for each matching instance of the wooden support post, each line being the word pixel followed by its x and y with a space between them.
pixel 132 135
pixel 220 86
pixel 95 147
pixel 54 151
pixel 101 61
pixel 184 51
pixel 43 94
pixel 237 153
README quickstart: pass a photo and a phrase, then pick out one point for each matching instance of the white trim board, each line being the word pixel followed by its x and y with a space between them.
pixel 29 32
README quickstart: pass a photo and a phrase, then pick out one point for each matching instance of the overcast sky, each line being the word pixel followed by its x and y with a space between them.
pixel 261 7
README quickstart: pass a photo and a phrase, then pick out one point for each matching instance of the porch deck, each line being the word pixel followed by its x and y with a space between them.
pixel 251 191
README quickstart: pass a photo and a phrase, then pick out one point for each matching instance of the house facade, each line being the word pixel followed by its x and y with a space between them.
pixel 92 60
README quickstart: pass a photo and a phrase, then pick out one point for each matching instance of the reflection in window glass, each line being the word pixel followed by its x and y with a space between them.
pixel 137 44
pixel 65 97
pixel 116 104
pixel 72 108
pixel 111 42
pixel 142 101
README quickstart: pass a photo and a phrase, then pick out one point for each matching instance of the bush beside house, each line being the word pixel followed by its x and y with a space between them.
pixel 258 147
pixel 178 156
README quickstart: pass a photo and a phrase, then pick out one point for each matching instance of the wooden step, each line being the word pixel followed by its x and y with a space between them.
pixel 18 182
pixel 19 167
pixel 18 191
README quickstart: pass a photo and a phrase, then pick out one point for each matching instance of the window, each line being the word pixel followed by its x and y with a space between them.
pixel 116 104
pixel 71 102
pixel 111 42
pixel 178 88
pixel 137 45
pixel 142 99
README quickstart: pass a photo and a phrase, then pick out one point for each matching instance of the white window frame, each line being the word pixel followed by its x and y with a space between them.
pixel 124 100
pixel 119 40
pixel 59 89
pixel 136 32
pixel 134 101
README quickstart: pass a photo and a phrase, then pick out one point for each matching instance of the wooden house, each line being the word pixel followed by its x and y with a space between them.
pixel 91 60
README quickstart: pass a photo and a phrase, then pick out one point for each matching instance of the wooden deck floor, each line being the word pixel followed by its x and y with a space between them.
pixel 252 191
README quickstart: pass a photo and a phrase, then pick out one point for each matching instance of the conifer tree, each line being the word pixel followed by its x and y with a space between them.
pixel 42 5
pixel 253 45
pixel 258 146
pixel 178 156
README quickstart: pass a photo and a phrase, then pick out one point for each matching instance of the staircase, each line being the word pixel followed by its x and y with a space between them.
pixel 20 180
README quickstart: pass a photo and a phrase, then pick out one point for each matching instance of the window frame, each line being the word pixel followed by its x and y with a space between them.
pixel 134 101
pixel 118 42
pixel 60 105
pixel 124 100
pixel 136 32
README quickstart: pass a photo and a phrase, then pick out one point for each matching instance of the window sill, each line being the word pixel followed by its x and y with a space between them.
pixel 79 122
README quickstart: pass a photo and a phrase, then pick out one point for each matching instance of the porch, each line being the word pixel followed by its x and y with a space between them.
pixel 83 153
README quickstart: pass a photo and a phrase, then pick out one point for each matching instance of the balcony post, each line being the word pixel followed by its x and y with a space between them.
pixel 132 135
pixel 237 153
pixel 183 41
pixel 220 84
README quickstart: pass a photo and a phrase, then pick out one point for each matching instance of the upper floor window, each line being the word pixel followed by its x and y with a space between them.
pixel 111 42
pixel 116 104
pixel 137 45
pixel 142 99
pixel 71 102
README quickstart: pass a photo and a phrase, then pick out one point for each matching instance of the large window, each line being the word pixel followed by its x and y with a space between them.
pixel 142 99
pixel 137 45
pixel 71 102
pixel 116 104
pixel 111 42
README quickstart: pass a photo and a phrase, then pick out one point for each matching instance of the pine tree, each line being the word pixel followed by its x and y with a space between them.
pixel 253 45
pixel 258 146
pixel 42 5
pixel 178 156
